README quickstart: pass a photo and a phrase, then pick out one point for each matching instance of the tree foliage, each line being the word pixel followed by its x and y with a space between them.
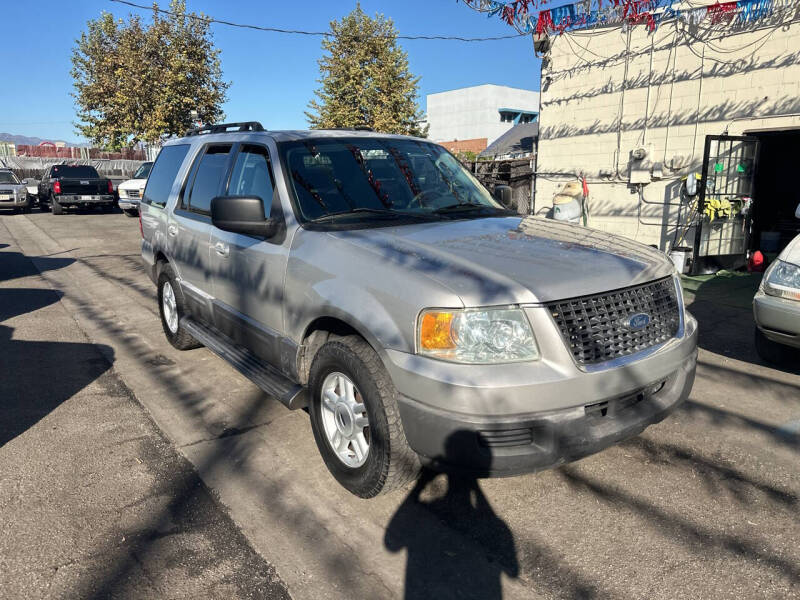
pixel 136 82
pixel 365 81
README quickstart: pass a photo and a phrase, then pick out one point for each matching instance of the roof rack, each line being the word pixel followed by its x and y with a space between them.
pixel 227 128
pixel 356 128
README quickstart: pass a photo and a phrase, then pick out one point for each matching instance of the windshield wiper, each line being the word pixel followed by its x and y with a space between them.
pixel 378 212
pixel 467 207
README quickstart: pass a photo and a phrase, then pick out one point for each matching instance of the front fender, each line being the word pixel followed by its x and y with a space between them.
pixel 329 277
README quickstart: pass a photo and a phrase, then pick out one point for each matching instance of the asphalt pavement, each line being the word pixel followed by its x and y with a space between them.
pixel 702 505
pixel 94 500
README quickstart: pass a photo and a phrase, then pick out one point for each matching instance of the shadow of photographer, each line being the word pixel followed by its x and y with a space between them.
pixel 444 558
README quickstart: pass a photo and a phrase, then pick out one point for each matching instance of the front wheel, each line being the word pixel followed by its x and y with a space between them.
pixel 355 419
pixel 171 307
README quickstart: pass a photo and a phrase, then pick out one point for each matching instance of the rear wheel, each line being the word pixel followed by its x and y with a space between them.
pixel 55 207
pixel 171 307
pixel 355 419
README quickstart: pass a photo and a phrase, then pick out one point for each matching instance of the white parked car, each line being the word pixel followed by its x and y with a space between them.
pixel 776 306
pixel 130 192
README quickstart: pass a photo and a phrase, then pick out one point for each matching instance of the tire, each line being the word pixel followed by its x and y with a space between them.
pixel 27 209
pixel 176 334
pixel 55 207
pixel 44 206
pixel 130 212
pixel 389 462
pixel 769 351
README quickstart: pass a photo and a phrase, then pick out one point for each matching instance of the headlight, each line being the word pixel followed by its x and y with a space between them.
pixel 477 336
pixel 782 279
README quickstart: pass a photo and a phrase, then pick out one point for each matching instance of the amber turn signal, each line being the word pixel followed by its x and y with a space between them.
pixel 435 331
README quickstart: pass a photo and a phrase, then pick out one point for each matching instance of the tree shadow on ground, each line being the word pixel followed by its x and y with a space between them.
pixel 15 265
pixel 39 376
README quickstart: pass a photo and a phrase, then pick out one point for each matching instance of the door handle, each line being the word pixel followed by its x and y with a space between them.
pixel 172 230
pixel 222 249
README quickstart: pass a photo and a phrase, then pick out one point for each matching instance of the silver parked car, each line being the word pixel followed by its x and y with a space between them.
pixel 776 306
pixel 13 192
pixel 373 280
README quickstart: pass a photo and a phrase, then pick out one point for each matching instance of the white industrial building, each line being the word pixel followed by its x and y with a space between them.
pixel 482 112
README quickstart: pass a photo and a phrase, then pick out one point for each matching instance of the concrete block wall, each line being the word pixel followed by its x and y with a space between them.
pixel 601 98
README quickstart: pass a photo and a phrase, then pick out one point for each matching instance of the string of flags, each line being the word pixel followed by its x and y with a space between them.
pixel 588 13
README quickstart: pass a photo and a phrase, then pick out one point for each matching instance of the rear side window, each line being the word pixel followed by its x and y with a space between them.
pixel 252 176
pixel 208 178
pixel 163 174
pixel 75 171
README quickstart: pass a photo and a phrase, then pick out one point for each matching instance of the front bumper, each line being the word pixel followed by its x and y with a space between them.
pixel 16 202
pixel 778 318
pixel 128 203
pixel 69 199
pixel 516 422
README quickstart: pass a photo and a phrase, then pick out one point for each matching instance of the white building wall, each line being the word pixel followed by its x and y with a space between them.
pixel 610 90
pixel 473 112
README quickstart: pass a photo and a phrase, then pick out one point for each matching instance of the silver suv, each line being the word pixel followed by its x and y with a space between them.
pixel 373 280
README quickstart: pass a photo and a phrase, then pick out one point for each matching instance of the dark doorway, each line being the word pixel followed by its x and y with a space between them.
pixel 777 191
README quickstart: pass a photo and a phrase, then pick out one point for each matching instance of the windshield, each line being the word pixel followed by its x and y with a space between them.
pixel 75 171
pixel 143 172
pixel 367 178
pixel 8 177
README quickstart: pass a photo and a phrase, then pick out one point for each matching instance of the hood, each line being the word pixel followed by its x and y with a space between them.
pixel 791 253
pixel 132 184
pixel 515 260
pixel 11 187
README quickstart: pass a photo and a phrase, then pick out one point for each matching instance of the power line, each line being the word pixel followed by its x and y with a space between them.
pixel 206 19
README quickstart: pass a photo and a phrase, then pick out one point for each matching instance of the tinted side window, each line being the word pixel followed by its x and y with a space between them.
pixel 252 175
pixel 208 178
pixel 165 169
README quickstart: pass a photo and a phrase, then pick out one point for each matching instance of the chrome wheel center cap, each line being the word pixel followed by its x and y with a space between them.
pixel 344 419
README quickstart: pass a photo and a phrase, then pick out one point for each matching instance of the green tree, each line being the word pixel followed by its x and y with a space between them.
pixel 135 82
pixel 365 81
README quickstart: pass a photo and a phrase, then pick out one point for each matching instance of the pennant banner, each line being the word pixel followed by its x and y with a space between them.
pixel 588 13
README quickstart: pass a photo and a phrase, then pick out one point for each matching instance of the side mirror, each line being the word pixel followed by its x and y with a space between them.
pixel 502 193
pixel 242 214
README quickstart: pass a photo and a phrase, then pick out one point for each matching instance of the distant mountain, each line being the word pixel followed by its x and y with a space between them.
pixel 35 141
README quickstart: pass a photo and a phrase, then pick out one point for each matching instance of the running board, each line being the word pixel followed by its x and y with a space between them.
pixel 268 378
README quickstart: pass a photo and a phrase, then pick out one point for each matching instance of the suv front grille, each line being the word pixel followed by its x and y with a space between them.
pixel 597 329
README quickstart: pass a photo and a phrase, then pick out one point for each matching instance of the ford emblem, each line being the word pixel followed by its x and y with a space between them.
pixel 638 321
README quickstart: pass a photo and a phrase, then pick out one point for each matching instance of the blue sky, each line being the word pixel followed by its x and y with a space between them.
pixel 273 75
